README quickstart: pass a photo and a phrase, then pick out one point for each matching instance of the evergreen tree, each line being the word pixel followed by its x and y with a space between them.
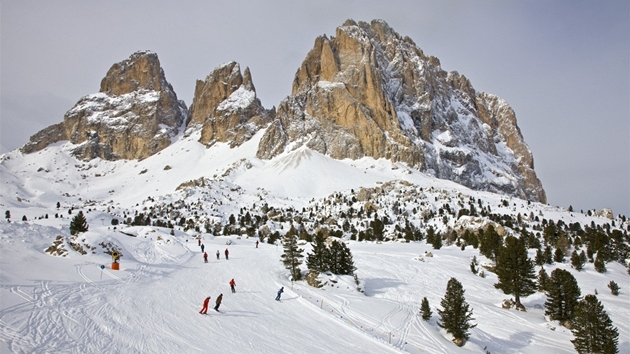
pixel 455 314
pixel 319 260
pixel 558 256
pixel 78 224
pixel 473 265
pixel 437 241
pixel 292 256
pixel 600 265
pixel 614 288
pixel 577 261
pixel 490 242
pixel 425 309
pixel 515 270
pixel 539 260
pixel 543 280
pixel 548 255
pixel 562 295
pixel 593 329
pixel 341 259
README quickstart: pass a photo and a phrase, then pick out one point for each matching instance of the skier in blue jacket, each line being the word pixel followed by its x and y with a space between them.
pixel 280 293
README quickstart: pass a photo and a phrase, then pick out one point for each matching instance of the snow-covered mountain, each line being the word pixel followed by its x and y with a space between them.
pixel 215 181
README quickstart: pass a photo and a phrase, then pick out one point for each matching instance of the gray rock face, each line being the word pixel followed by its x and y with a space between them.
pixel 135 114
pixel 226 108
pixel 370 92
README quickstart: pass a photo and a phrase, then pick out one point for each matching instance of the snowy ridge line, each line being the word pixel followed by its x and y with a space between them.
pixel 391 338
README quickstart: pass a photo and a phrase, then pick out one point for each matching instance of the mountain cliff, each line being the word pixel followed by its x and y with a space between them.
pixel 367 91
pixel 135 114
pixel 226 108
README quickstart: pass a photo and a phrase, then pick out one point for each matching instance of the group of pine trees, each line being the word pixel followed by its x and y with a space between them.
pixel 336 259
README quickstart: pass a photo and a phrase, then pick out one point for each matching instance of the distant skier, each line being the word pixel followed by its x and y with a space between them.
pixel 280 293
pixel 233 285
pixel 205 257
pixel 218 253
pixel 204 309
pixel 218 302
pixel 227 253
pixel 202 247
pixel 256 243
pixel 198 242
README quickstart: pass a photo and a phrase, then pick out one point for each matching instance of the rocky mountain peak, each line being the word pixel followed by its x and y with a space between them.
pixel 135 114
pixel 226 108
pixel 368 91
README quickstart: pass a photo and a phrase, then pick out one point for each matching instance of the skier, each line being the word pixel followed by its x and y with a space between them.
pixel 202 247
pixel 280 293
pixel 233 285
pixel 218 255
pixel 218 302
pixel 256 243
pixel 198 242
pixel 226 253
pixel 204 309
pixel 205 257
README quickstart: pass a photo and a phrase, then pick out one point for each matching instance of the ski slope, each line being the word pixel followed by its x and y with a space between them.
pixel 69 305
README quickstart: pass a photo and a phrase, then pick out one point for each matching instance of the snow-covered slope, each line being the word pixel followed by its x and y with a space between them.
pixel 70 304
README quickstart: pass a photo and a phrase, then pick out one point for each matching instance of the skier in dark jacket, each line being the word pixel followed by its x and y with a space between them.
pixel 202 247
pixel 218 253
pixel 204 309
pixel 218 302
pixel 227 253
pixel 280 293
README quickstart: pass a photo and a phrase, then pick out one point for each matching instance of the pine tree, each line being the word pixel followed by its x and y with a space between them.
pixel 558 256
pixel 515 270
pixel 425 309
pixel 490 242
pixel 593 329
pixel 540 257
pixel 548 255
pixel 600 265
pixel 543 280
pixel 562 295
pixel 614 288
pixel 319 260
pixel 455 315
pixel 292 256
pixel 473 265
pixel 341 259
pixel 577 261
pixel 78 224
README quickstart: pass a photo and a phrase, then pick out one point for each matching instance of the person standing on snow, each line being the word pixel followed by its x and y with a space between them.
pixel 233 285
pixel 198 242
pixel 218 255
pixel 218 302
pixel 227 253
pixel 205 257
pixel 202 247
pixel 256 243
pixel 280 293
pixel 204 309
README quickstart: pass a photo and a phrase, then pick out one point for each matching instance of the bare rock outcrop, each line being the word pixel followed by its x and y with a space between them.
pixel 368 91
pixel 135 114
pixel 226 108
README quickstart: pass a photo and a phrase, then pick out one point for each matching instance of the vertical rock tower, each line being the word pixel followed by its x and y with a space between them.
pixel 367 91
pixel 135 114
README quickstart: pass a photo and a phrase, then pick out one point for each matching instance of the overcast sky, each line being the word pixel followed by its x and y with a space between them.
pixel 564 66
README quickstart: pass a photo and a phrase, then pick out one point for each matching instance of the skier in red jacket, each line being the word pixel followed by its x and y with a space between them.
pixel 227 253
pixel 204 309
pixel 205 257
pixel 232 285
